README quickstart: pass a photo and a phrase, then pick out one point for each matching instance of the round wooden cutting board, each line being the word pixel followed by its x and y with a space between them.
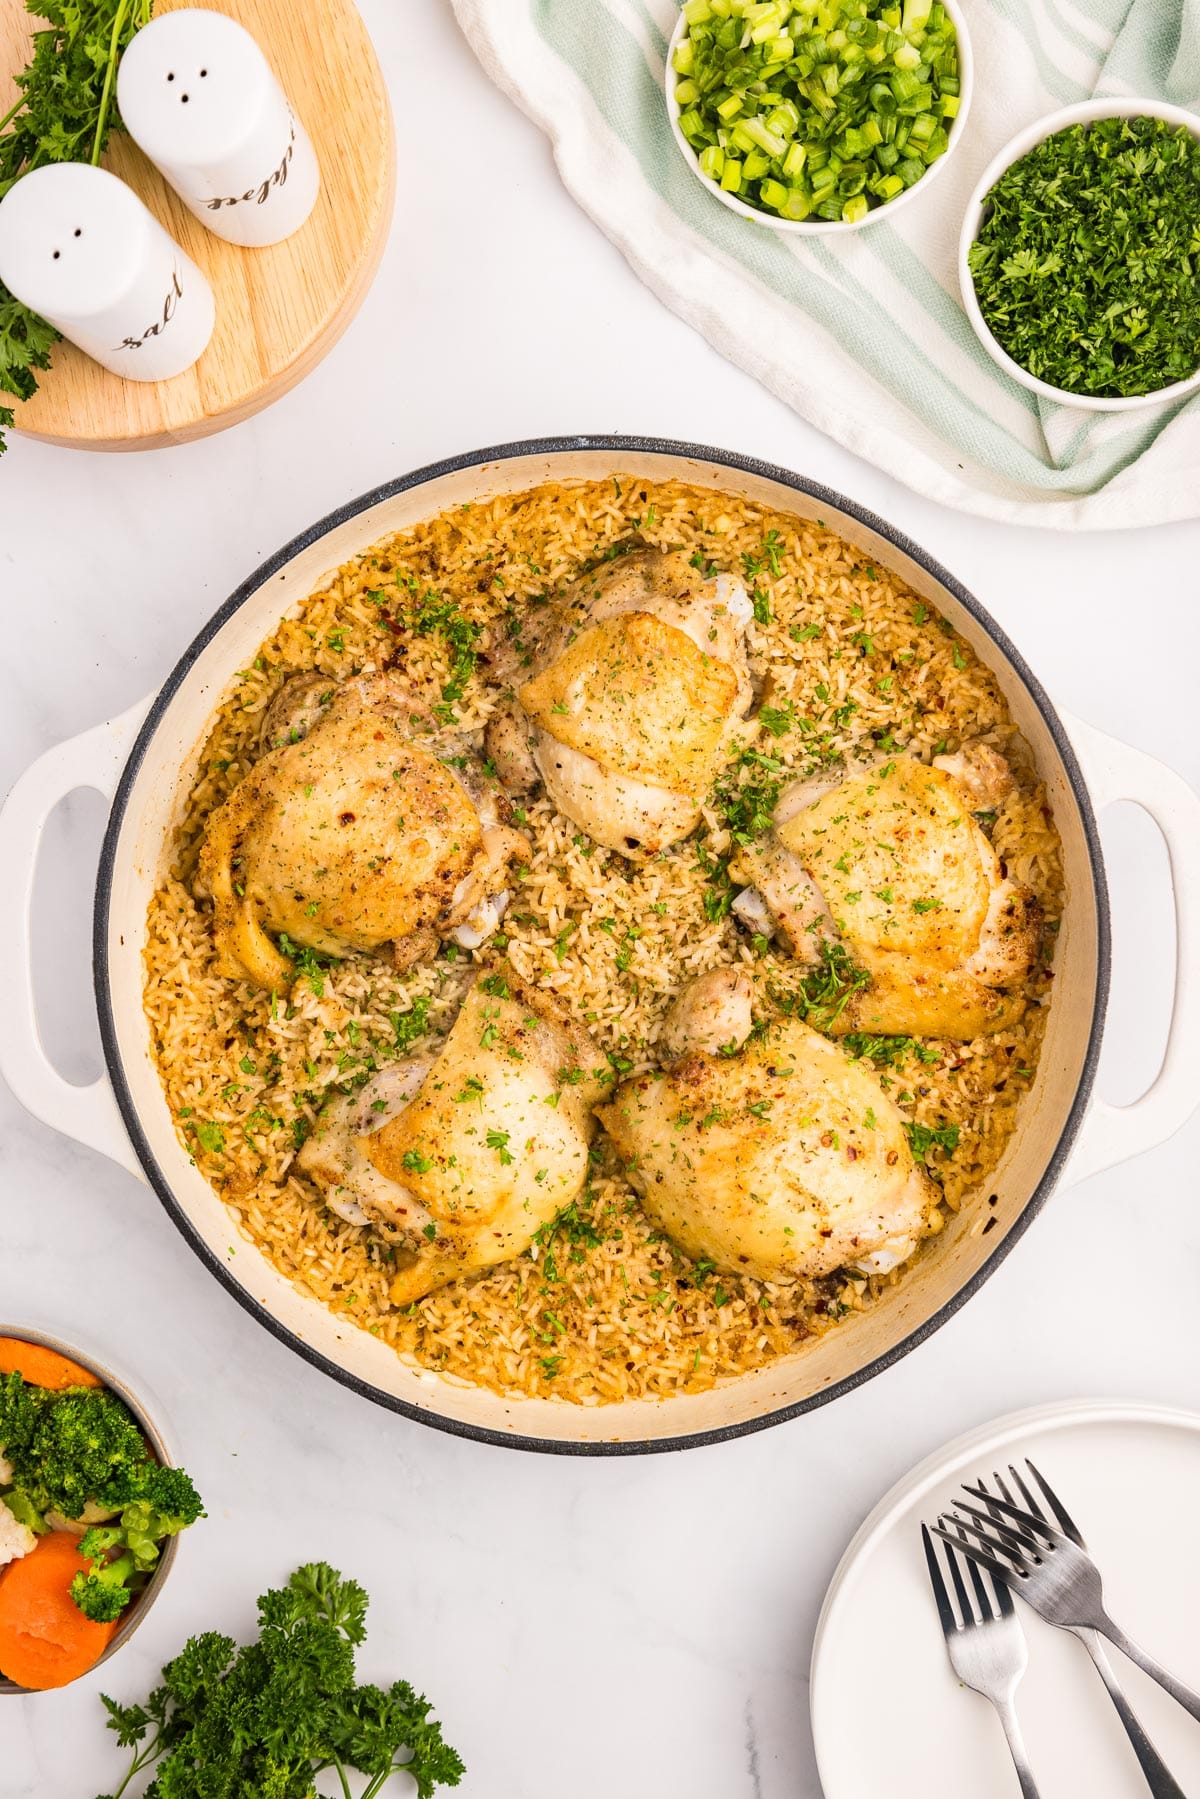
pixel 278 310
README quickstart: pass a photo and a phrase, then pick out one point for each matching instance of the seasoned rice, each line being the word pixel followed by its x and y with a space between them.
pixel 603 1308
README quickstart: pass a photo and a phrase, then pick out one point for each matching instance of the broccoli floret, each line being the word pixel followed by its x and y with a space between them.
pixel 20 1407
pixel 89 1447
pixel 169 1493
pixel 125 1552
pixel 24 1509
pixel 103 1594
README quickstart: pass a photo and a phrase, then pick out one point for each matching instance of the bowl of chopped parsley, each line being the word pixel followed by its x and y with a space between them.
pixel 1079 258
pixel 810 117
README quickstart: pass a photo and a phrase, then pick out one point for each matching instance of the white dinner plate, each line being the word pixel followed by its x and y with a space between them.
pixel 890 1720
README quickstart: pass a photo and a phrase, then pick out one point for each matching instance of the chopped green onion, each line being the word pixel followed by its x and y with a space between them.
pixel 817 107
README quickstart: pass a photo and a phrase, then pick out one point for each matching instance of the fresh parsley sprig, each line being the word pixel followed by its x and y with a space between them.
pixel 64 112
pixel 274 1715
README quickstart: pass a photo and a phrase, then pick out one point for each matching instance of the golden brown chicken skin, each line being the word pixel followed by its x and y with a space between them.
pixel 462 1157
pixel 782 1159
pixel 891 862
pixel 349 832
pixel 636 679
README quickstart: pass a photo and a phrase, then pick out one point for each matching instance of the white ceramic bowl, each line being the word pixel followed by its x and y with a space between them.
pixel 1081 114
pixel 135 1614
pixel 818 227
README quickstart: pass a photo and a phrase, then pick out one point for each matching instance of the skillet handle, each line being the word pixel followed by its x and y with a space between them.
pixel 1114 771
pixel 93 759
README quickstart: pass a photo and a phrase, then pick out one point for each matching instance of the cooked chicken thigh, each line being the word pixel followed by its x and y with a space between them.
pixel 783 1159
pixel 891 861
pixel 462 1158
pixel 638 675
pixel 352 831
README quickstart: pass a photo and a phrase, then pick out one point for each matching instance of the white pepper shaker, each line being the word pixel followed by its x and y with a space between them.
pixel 198 96
pixel 79 247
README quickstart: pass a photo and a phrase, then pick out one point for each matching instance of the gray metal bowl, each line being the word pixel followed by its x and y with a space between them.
pixel 141 1605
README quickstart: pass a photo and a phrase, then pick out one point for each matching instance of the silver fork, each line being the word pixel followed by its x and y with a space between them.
pixel 1051 1573
pixel 1161 1781
pixel 987 1651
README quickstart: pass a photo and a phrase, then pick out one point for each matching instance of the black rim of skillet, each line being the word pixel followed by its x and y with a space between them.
pixel 266 571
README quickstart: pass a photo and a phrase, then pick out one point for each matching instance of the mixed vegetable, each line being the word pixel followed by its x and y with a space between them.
pixel 84 1509
pixel 1087 268
pixel 273 1716
pixel 817 108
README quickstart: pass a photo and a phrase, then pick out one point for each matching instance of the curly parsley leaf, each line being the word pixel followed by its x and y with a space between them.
pixel 269 1717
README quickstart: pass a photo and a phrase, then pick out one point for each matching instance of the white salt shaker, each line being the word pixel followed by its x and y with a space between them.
pixel 198 95
pixel 78 247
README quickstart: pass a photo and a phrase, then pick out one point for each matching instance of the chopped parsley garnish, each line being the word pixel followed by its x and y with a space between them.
pixel 778 720
pixel 308 962
pixel 748 805
pixel 435 615
pixel 924 1137
pixel 828 990
pixel 579 1234
pixel 408 1026
pixel 886 1052
pixel 498 1140
pixel 415 1162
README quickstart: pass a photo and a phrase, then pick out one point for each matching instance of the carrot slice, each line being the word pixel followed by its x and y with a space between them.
pixel 45 1640
pixel 43 1367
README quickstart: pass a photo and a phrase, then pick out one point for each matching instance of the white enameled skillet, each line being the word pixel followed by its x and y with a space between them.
pixel 143 762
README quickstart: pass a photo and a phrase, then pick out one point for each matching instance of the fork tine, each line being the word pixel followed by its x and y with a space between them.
pixel 1010 1561
pixel 955 1567
pixel 1027 1519
pixel 1000 1588
pixel 969 1550
pixel 1003 1597
pixel 945 1609
pixel 1056 1505
pixel 1032 1503
pixel 986 1608
pixel 998 1482
pixel 1013 1540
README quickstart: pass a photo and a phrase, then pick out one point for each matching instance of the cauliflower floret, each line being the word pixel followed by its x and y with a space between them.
pixel 6 1470
pixel 16 1539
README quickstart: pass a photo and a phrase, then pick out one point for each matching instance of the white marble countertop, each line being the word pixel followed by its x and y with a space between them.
pixel 585 1628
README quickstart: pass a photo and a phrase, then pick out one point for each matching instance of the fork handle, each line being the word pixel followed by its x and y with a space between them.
pixel 1016 1744
pixel 1184 1695
pixel 1159 1778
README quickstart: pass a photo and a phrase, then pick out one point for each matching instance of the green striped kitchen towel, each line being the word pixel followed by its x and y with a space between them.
pixel 864 335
